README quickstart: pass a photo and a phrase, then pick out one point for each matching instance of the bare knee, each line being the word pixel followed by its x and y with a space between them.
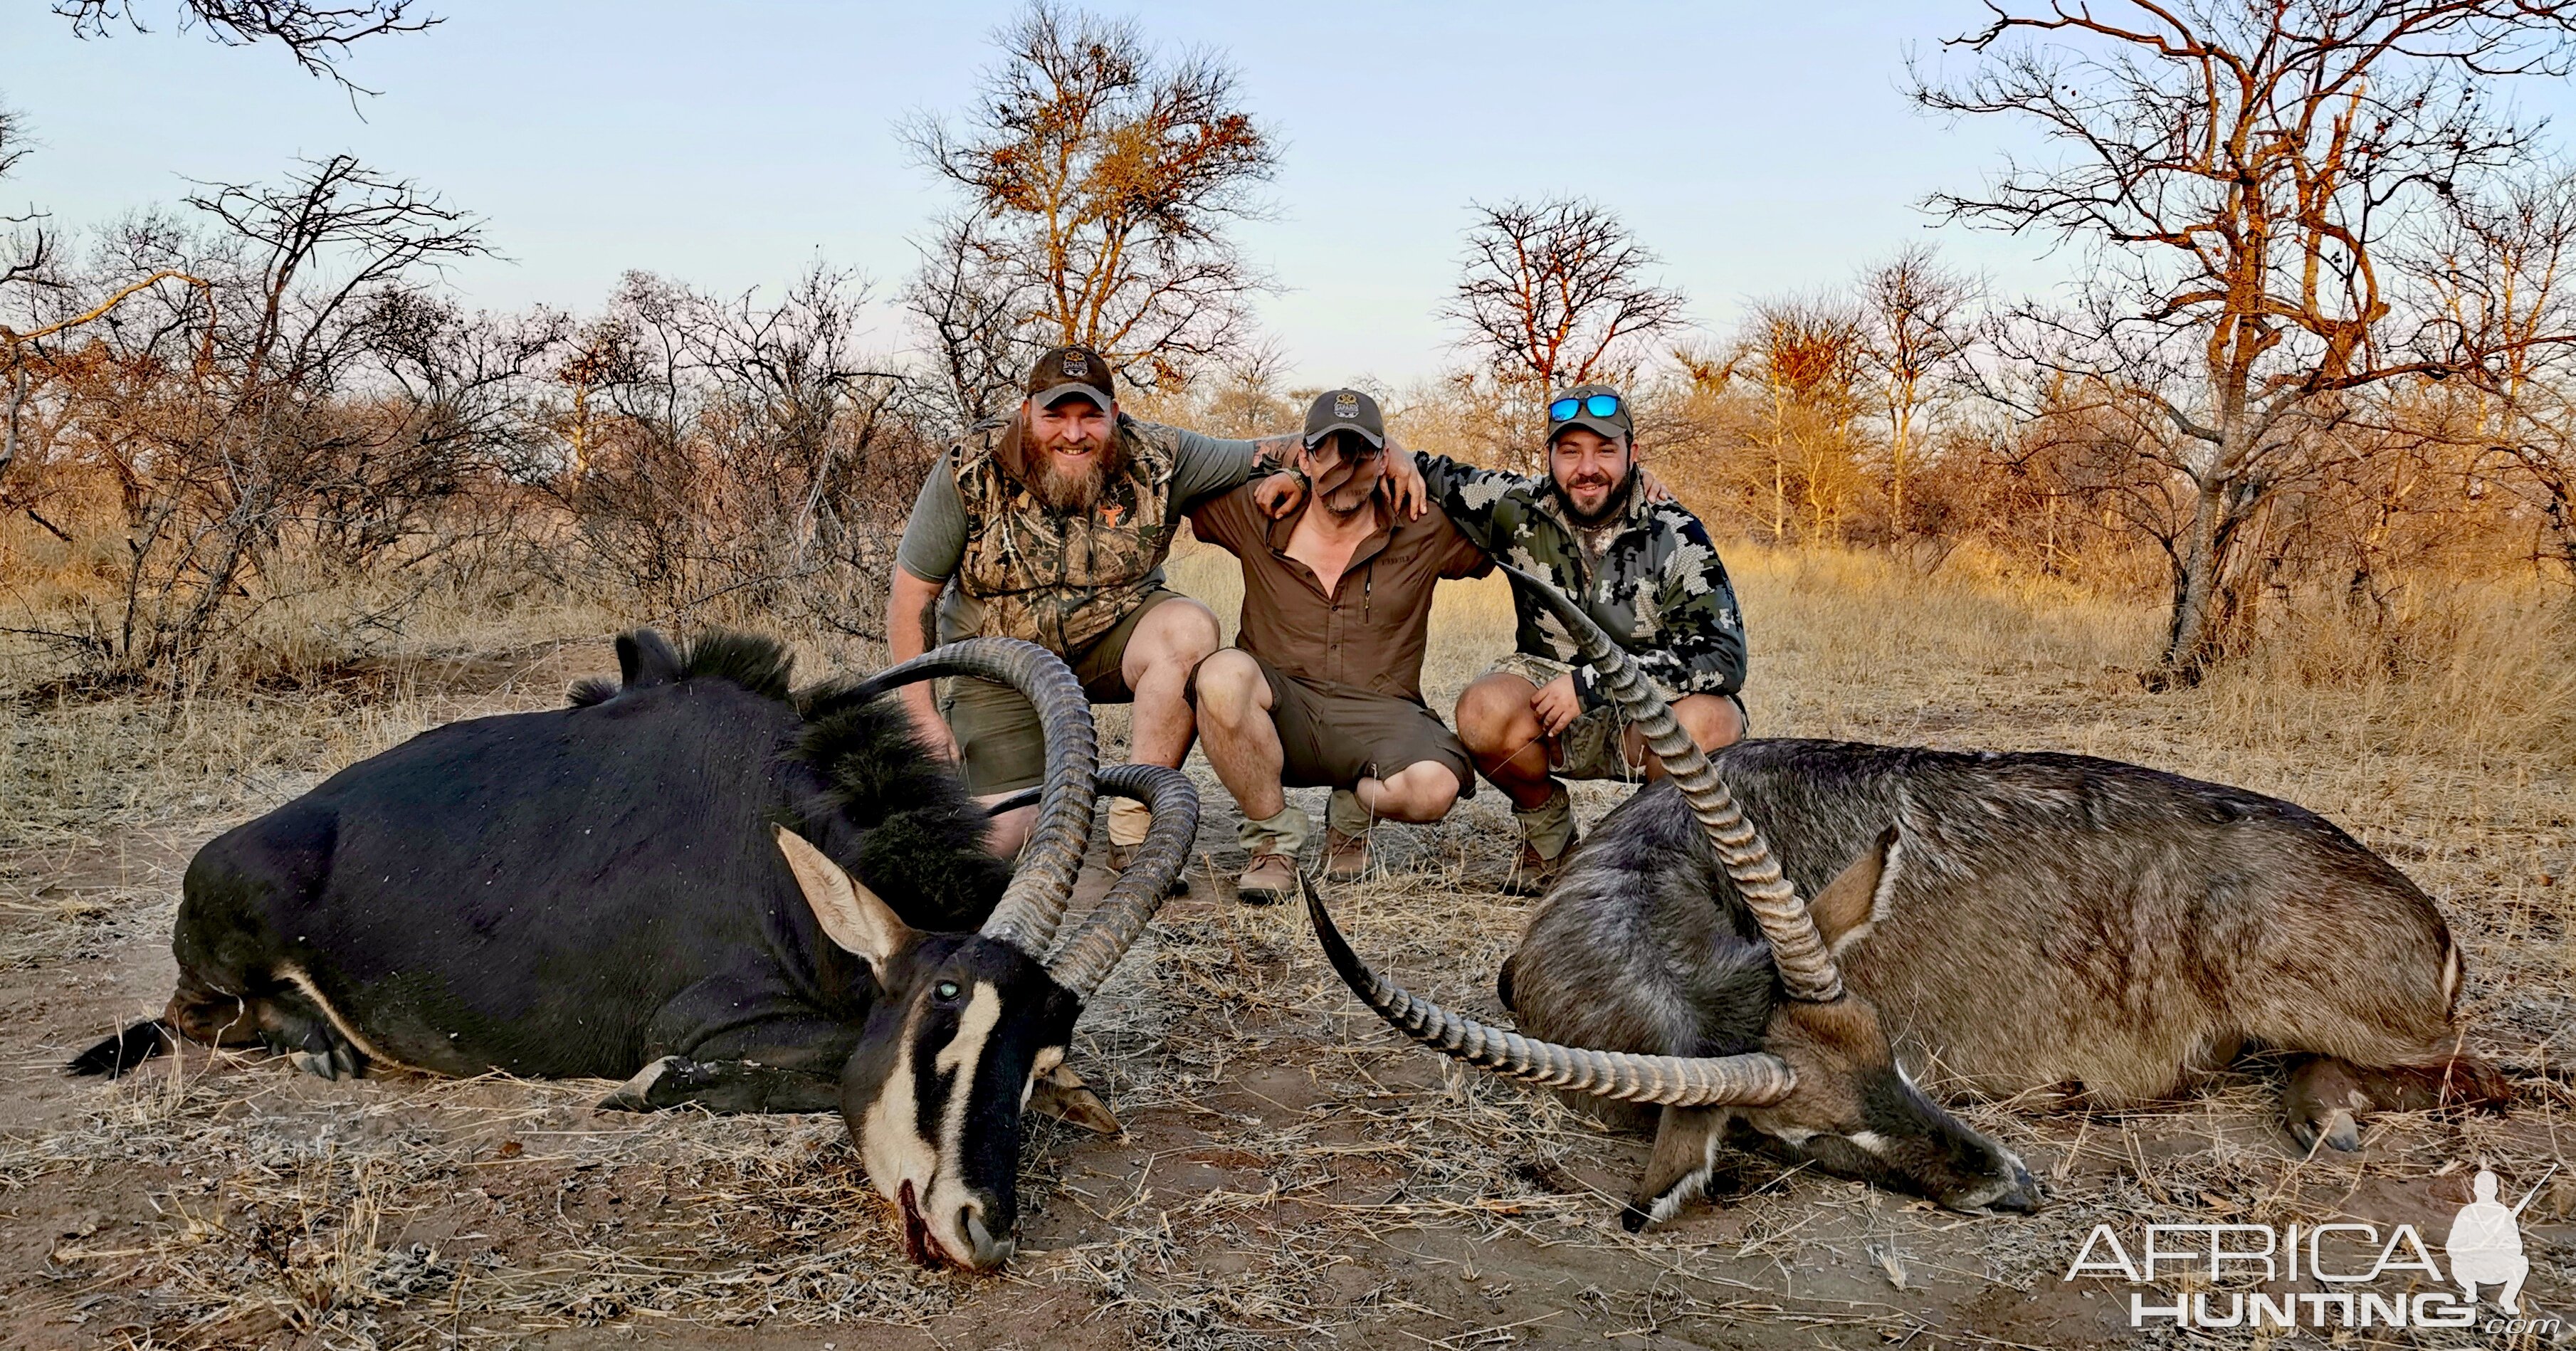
pixel 1712 720
pixel 1172 637
pixel 1494 714
pixel 1420 792
pixel 1230 688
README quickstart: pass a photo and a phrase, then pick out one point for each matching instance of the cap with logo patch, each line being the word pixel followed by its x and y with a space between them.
pixel 1579 407
pixel 1072 369
pixel 1344 410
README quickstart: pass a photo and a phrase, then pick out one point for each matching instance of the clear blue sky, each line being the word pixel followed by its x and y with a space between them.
pixel 1758 148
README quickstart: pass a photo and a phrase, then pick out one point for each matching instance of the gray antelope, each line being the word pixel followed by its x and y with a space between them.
pixel 727 893
pixel 2034 924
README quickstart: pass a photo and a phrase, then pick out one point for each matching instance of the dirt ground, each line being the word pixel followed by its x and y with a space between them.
pixel 1291 1172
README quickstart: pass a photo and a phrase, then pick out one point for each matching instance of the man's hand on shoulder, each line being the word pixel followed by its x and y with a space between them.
pixel 1653 489
pixel 1280 493
pixel 1405 488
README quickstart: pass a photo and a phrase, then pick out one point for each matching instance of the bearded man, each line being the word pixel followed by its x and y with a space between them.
pixel 1643 567
pixel 1051 525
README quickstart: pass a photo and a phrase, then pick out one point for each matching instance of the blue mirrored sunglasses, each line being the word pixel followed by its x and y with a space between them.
pixel 1597 405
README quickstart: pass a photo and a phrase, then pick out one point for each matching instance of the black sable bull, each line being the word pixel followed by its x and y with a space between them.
pixel 2015 922
pixel 626 888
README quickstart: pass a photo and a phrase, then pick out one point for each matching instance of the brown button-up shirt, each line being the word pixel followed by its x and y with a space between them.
pixel 1370 632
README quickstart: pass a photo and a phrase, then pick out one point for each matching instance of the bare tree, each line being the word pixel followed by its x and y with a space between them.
pixel 737 457
pixel 1917 313
pixel 289 425
pixel 1807 354
pixel 1102 178
pixel 2500 272
pixel 318 36
pixel 973 309
pixel 1557 292
pixel 2239 167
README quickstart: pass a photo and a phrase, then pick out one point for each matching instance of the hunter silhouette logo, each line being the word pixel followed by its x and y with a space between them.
pixel 2485 1245
pixel 2358 1271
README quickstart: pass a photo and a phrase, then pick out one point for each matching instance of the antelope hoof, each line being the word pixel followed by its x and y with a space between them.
pixel 637 1094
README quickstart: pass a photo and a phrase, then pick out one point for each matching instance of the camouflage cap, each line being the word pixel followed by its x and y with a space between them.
pixel 1071 369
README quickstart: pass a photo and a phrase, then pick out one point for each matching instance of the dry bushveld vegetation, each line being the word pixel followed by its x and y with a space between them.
pixel 2280 497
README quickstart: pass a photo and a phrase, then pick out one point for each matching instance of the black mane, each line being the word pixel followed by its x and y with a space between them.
pixel 920 842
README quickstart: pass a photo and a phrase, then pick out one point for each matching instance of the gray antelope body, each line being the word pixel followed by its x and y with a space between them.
pixel 2029 922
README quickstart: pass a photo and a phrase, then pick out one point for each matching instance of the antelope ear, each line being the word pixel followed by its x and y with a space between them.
pixel 1061 1093
pixel 1849 905
pixel 852 916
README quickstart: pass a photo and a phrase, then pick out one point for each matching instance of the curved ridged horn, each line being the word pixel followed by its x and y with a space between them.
pixel 1751 1080
pixel 1042 883
pixel 1086 956
pixel 1806 966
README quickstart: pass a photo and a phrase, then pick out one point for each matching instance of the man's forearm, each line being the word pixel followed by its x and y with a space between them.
pixel 912 617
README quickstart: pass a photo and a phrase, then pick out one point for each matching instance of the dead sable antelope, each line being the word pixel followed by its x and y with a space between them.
pixel 2015 922
pixel 747 899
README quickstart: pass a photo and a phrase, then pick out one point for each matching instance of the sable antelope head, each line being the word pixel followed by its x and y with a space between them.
pixel 968 1030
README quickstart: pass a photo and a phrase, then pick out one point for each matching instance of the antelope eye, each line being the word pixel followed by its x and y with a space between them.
pixel 946 989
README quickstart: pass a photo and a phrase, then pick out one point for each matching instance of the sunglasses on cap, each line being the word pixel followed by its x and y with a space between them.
pixel 1597 405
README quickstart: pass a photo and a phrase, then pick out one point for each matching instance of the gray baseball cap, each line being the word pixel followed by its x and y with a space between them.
pixel 1071 369
pixel 1344 410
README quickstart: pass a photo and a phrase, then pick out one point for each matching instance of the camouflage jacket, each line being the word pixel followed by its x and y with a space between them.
pixel 1650 579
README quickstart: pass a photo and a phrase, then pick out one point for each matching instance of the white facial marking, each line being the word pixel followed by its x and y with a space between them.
pixel 892 1147
pixel 947 1194
pixel 295 976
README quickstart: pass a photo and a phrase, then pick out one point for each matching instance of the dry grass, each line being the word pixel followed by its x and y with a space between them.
pixel 1293 1175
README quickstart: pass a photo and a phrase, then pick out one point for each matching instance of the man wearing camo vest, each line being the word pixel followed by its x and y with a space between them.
pixel 1642 567
pixel 1051 525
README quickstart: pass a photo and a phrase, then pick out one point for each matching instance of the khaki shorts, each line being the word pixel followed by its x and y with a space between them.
pixel 1333 736
pixel 997 730
pixel 1592 746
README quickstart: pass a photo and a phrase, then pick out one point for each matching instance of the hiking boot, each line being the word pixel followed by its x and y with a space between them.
pixel 1547 841
pixel 1535 872
pixel 1123 856
pixel 1268 880
pixel 1346 857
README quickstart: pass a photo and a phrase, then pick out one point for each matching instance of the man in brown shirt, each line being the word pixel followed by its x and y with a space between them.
pixel 1323 687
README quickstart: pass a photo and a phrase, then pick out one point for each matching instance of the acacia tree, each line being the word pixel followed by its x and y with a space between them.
pixel 1916 314
pixel 1101 179
pixel 1557 292
pixel 1807 355
pixel 2239 168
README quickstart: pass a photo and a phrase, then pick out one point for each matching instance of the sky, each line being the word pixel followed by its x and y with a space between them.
pixel 1758 149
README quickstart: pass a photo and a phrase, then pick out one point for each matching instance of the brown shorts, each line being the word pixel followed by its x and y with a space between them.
pixel 1333 736
pixel 1594 745
pixel 997 729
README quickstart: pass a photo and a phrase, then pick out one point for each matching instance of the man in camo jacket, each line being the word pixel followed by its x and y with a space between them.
pixel 1644 570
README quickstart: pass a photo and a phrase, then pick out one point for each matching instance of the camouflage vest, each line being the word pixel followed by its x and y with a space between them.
pixel 1062 581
